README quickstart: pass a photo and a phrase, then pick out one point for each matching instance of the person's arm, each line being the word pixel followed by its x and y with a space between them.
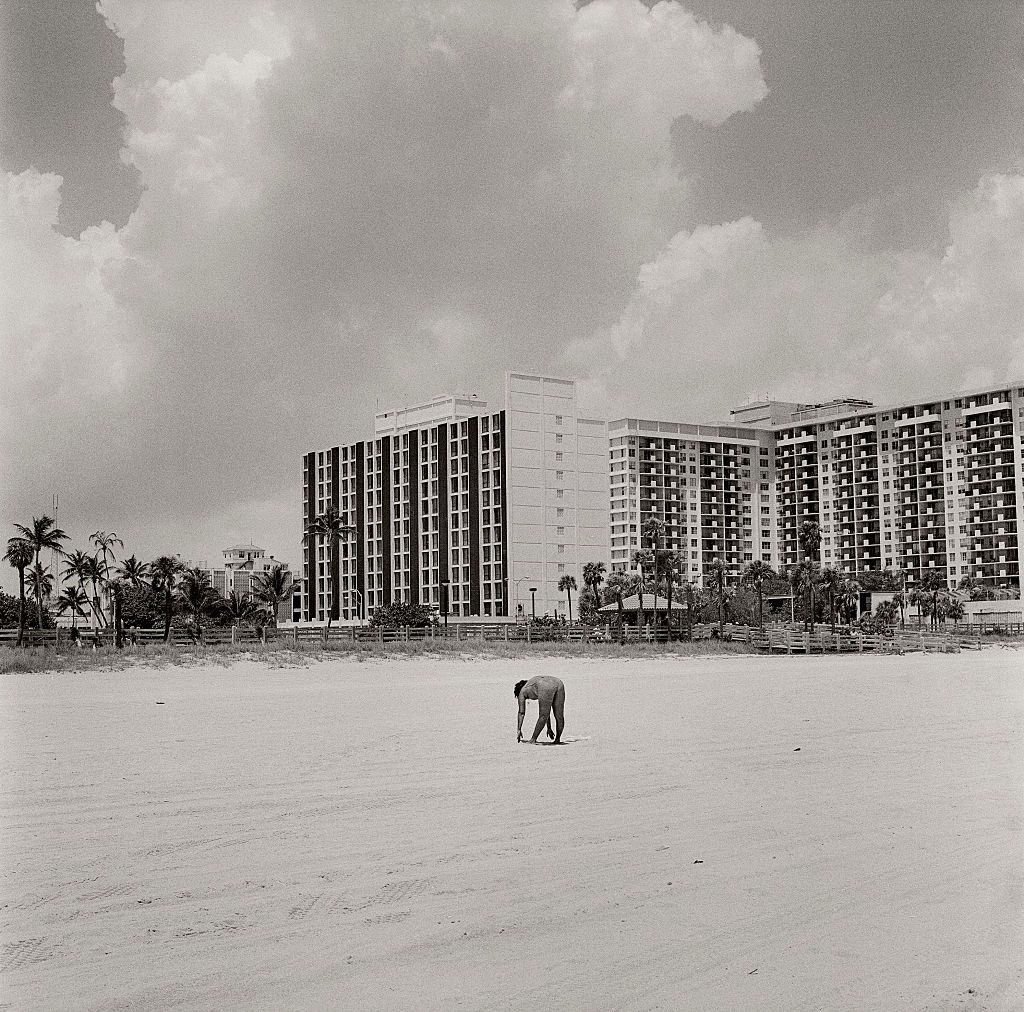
pixel 522 713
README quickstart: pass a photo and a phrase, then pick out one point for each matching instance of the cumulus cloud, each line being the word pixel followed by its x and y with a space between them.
pixel 66 348
pixel 728 311
pixel 339 204
pixel 344 208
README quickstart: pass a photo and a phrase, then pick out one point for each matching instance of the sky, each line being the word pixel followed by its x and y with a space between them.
pixel 230 231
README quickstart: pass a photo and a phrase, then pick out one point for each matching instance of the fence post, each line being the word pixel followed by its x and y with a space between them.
pixel 323 635
pixel 504 632
pixel 234 635
pixel 295 634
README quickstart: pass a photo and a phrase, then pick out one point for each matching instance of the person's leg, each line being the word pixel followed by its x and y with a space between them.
pixel 545 715
pixel 559 707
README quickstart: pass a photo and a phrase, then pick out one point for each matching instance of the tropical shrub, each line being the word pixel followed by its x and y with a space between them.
pixel 402 613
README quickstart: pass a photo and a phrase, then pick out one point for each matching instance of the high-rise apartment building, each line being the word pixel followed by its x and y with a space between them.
pixel 480 513
pixel 933 485
pixel 711 485
pixel 468 511
pixel 936 485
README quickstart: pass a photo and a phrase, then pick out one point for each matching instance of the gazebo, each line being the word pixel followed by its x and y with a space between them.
pixel 631 606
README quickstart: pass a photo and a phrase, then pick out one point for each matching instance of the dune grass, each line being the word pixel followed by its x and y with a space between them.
pixel 161 655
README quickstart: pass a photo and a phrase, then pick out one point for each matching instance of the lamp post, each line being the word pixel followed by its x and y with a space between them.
pixel 444 587
pixel 533 603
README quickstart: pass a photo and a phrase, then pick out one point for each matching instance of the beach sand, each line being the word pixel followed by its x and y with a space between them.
pixel 717 833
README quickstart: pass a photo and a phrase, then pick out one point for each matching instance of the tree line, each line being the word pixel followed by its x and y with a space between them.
pixel 108 594
pixel 818 593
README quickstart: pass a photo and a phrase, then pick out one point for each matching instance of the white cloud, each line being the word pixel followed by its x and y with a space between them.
pixel 66 346
pixel 727 311
pixel 340 203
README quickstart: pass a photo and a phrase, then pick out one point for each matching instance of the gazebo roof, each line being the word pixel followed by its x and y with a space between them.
pixel 651 602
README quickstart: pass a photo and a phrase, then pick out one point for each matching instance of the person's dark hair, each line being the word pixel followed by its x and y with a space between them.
pixel 519 685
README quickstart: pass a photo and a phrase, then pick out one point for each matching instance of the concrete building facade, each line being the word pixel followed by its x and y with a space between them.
pixel 480 513
pixel 238 572
pixel 936 485
pixel 711 485
pixel 459 508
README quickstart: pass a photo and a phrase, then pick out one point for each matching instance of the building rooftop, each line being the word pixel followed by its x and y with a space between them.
pixel 443 408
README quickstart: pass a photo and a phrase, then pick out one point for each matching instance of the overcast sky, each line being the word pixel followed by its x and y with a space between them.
pixel 230 230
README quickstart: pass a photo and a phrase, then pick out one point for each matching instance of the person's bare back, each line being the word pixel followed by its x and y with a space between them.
pixel 550 694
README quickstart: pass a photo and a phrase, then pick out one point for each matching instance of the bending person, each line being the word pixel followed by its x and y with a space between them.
pixel 550 694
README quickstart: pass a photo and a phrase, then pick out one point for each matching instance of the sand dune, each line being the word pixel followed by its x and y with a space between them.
pixel 724 833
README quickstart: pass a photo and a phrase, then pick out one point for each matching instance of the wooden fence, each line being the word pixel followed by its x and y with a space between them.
pixel 772 639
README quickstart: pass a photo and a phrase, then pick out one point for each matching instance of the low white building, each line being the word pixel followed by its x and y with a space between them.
pixel 241 565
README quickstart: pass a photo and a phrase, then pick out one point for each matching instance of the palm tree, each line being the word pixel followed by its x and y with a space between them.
pixel 164 573
pixel 330 529
pixel 918 598
pixel 899 597
pixel 593 577
pixel 133 571
pixel 95 575
pixel 241 608
pixel 197 597
pixel 641 558
pixel 933 583
pixel 653 530
pixel 847 598
pixel 810 541
pixel 803 578
pixel 40 583
pixel 831 582
pixel 755 575
pixel 41 535
pixel 116 588
pixel 717 575
pixel 76 566
pixel 567 583
pixel 619 585
pixel 273 587
pixel 20 554
pixel 74 600
pixel 671 566
pixel 104 545
pixel 692 592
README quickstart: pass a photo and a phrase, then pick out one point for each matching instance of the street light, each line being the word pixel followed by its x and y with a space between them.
pixel 444 586
pixel 359 611
pixel 522 579
pixel 533 603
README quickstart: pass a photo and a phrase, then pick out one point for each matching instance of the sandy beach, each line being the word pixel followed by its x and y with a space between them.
pixel 717 833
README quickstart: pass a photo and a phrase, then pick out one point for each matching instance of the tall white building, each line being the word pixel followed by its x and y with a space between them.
pixel 460 508
pixel 558 490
